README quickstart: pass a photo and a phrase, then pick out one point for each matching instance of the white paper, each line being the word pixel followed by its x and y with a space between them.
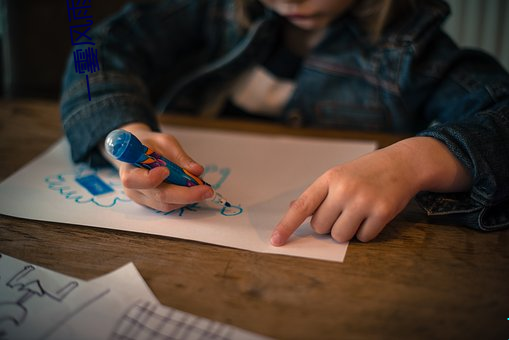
pixel 260 174
pixel 36 303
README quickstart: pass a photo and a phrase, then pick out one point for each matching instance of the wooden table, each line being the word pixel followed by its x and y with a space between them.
pixel 417 280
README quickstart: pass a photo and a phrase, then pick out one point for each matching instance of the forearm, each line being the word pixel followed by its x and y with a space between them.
pixel 136 49
pixel 430 165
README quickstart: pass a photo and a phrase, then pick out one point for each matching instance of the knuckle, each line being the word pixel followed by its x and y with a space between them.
pixel 168 139
pixel 126 181
pixel 153 181
pixel 339 235
pixel 330 174
pixel 319 228
pixel 181 158
pixel 302 204
pixel 159 196
pixel 383 211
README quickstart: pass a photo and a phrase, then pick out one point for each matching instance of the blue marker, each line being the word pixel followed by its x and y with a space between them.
pixel 125 147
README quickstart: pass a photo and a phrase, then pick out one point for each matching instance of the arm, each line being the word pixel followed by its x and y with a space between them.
pixel 469 110
pixel 135 49
pixel 458 165
pixel 360 197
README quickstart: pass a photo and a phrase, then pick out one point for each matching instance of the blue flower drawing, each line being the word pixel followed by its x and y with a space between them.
pixel 101 187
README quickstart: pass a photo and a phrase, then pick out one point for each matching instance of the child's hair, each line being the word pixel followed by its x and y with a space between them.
pixel 373 15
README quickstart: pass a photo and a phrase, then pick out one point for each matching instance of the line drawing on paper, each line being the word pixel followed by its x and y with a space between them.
pixel 215 176
pixel 60 306
pixel 180 211
pixel 76 312
pixel 24 285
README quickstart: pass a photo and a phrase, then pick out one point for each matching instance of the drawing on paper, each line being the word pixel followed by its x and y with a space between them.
pixel 215 176
pixel 25 284
pixel 101 187
pixel 180 211
pixel 38 304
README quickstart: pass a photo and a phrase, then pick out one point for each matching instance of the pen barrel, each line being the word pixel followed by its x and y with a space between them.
pixel 125 147
pixel 178 175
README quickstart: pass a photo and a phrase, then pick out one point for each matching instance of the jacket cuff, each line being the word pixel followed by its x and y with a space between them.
pixel 86 123
pixel 461 208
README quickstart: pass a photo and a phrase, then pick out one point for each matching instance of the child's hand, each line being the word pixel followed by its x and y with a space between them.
pixel 360 197
pixel 147 187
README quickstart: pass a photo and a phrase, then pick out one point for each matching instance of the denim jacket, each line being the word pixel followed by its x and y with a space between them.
pixel 414 79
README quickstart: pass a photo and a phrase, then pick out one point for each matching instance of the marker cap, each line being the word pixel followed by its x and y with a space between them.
pixel 123 146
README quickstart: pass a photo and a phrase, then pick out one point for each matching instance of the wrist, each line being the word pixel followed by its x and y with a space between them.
pixel 432 165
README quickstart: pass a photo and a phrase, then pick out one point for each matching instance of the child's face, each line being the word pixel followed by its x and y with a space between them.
pixel 309 14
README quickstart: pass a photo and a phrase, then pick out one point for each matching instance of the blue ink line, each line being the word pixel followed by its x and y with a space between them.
pixel 88 88
pixel 233 210
pixel 70 194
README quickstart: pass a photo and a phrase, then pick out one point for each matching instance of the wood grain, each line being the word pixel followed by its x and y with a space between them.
pixel 418 280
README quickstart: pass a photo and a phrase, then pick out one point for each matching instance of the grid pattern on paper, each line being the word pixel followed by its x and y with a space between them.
pixel 145 320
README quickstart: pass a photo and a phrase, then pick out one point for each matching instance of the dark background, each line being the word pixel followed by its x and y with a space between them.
pixel 35 44
pixel 35 40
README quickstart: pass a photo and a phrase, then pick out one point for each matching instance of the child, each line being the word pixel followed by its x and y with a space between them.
pixel 378 65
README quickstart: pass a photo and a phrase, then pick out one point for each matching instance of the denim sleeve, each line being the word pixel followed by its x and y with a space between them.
pixel 469 110
pixel 134 47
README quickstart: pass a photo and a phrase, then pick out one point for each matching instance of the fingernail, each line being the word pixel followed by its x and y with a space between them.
pixel 192 164
pixel 276 239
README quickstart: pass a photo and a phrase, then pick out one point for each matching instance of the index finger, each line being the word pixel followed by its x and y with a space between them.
pixel 140 178
pixel 299 210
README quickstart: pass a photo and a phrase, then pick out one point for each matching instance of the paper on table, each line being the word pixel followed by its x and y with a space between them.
pixel 261 174
pixel 36 303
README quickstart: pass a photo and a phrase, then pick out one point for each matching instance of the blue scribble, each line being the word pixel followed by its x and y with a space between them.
pixel 67 186
pixel 180 211
pixel 233 210
pixel 211 170
pixel 210 174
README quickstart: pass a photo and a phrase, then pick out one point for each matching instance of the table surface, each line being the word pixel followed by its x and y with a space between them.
pixel 416 280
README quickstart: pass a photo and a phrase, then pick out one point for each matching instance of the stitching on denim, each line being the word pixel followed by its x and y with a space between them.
pixel 110 99
pixel 315 63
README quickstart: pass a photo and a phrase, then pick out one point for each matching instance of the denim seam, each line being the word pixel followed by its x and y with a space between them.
pixel 109 99
pixel 117 77
pixel 319 65
pixel 483 227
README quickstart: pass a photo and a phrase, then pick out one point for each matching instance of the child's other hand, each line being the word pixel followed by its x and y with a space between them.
pixel 147 187
pixel 359 198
